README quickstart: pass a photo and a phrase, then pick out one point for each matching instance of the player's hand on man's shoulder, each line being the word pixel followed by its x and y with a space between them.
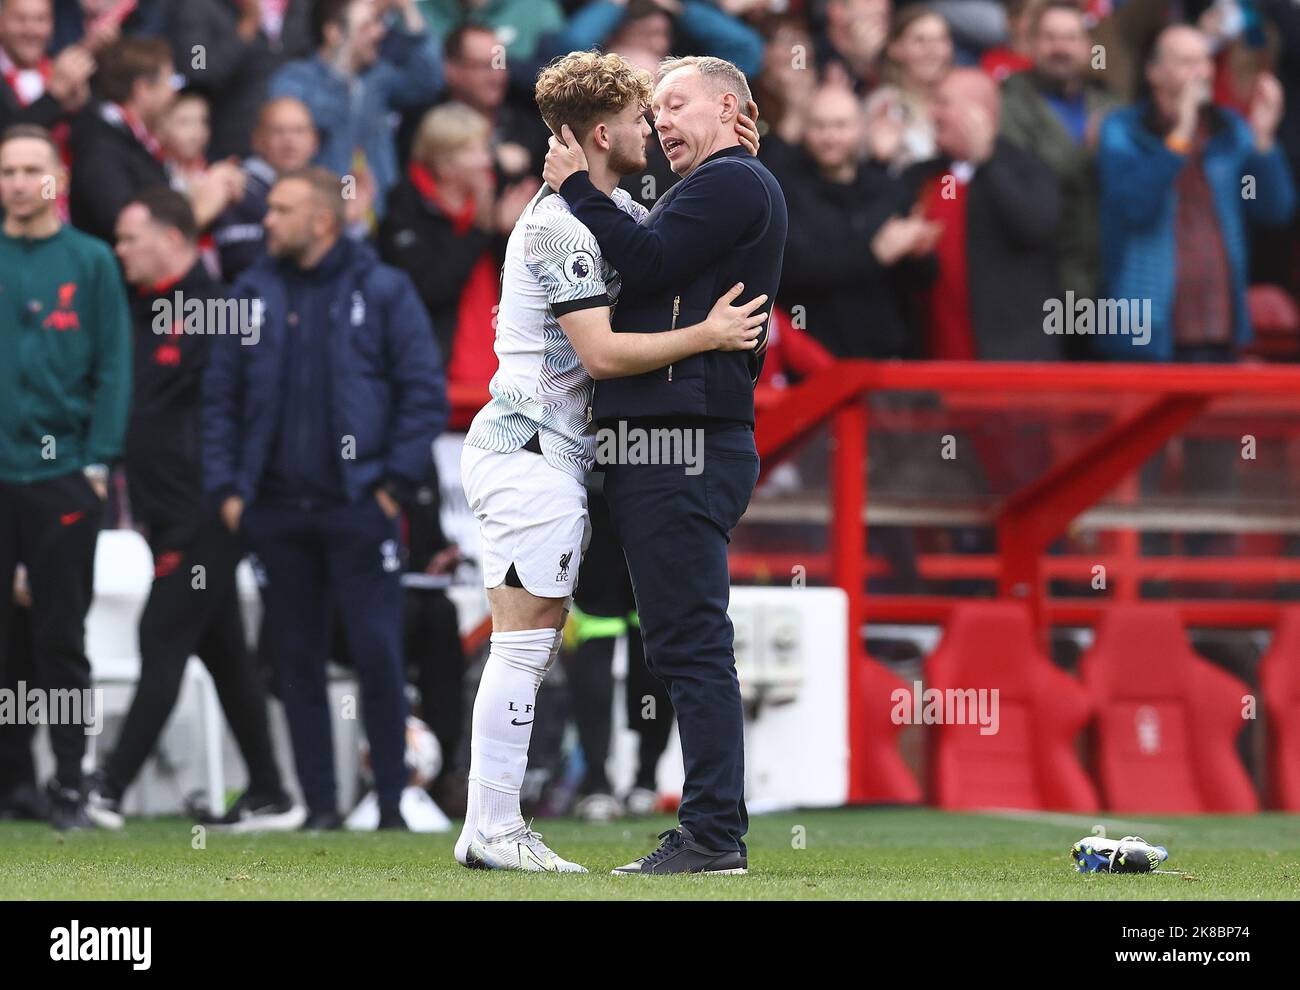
pixel 564 158
pixel 734 328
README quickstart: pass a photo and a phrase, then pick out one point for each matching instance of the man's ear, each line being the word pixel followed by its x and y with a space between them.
pixel 600 136
pixel 730 107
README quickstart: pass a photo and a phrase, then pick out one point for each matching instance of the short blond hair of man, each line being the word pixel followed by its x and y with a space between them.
pixel 580 88
pixel 718 73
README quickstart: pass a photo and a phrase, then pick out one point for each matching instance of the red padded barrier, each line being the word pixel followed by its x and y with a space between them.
pixel 1030 762
pixel 1279 682
pixel 1167 719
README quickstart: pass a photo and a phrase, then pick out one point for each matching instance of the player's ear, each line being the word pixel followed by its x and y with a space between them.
pixel 600 136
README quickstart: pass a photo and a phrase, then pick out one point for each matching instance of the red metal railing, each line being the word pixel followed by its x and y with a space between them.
pixel 1164 399
pixel 1149 403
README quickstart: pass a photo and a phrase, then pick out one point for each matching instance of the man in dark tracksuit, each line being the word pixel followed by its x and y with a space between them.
pixel 725 222
pixel 322 429
pixel 65 388
pixel 193 605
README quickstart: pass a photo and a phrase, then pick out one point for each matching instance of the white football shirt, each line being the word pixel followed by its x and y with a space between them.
pixel 553 266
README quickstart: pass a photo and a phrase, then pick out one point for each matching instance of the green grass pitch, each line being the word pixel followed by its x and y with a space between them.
pixel 844 854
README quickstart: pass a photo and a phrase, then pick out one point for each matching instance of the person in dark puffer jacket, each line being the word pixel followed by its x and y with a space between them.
pixel 322 426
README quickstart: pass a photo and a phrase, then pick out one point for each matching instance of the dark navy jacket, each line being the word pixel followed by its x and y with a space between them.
pixel 387 381
pixel 724 223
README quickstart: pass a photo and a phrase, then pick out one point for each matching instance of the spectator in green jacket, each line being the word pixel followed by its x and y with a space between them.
pixel 1054 110
pixel 519 24
pixel 65 388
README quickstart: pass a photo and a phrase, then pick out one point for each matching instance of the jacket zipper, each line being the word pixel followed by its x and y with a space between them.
pixel 677 305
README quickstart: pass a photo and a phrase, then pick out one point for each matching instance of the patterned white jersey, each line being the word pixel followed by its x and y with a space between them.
pixel 553 266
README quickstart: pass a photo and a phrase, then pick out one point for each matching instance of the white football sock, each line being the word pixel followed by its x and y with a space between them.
pixel 471 813
pixel 503 724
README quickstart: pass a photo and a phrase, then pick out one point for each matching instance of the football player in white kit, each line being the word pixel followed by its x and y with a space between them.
pixel 529 448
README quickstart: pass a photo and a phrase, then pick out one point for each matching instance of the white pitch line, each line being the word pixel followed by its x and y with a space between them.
pixel 1084 821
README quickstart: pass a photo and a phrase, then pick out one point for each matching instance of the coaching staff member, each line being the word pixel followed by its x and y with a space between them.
pixel 312 438
pixel 65 387
pixel 193 605
pixel 725 222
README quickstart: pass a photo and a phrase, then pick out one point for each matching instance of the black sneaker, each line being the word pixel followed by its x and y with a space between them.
pixel 682 854
pixel 390 818
pixel 323 821
pixel 67 807
pixel 103 802
pixel 257 813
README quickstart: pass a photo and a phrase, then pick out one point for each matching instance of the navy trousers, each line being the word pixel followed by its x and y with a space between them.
pixel 674 528
pixel 340 561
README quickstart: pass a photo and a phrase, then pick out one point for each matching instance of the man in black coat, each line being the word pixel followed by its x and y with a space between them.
pixel 115 151
pixel 723 223
pixel 853 255
pixel 1000 207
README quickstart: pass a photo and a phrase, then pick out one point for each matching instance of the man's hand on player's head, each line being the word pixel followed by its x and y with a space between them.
pixel 747 127
pixel 564 159
pixel 735 328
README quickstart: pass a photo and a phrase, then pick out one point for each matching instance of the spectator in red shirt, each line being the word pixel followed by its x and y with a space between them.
pixel 999 207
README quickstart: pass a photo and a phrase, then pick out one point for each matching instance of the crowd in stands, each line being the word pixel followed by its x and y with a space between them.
pixel 959 174
pixel 1128 150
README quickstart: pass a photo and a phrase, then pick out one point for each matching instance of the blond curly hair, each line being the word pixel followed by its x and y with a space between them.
pixel 580 88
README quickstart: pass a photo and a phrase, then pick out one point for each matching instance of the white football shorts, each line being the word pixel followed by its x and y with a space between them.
pixel 531 515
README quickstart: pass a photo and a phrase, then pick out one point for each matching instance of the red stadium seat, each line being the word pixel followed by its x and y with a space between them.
pixel 1030 762
pixel 1279 682
pixel 1167 720
pixel 883 775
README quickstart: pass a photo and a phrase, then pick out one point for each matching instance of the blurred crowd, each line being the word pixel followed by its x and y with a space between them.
pixel 966 179
pixel 950 167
